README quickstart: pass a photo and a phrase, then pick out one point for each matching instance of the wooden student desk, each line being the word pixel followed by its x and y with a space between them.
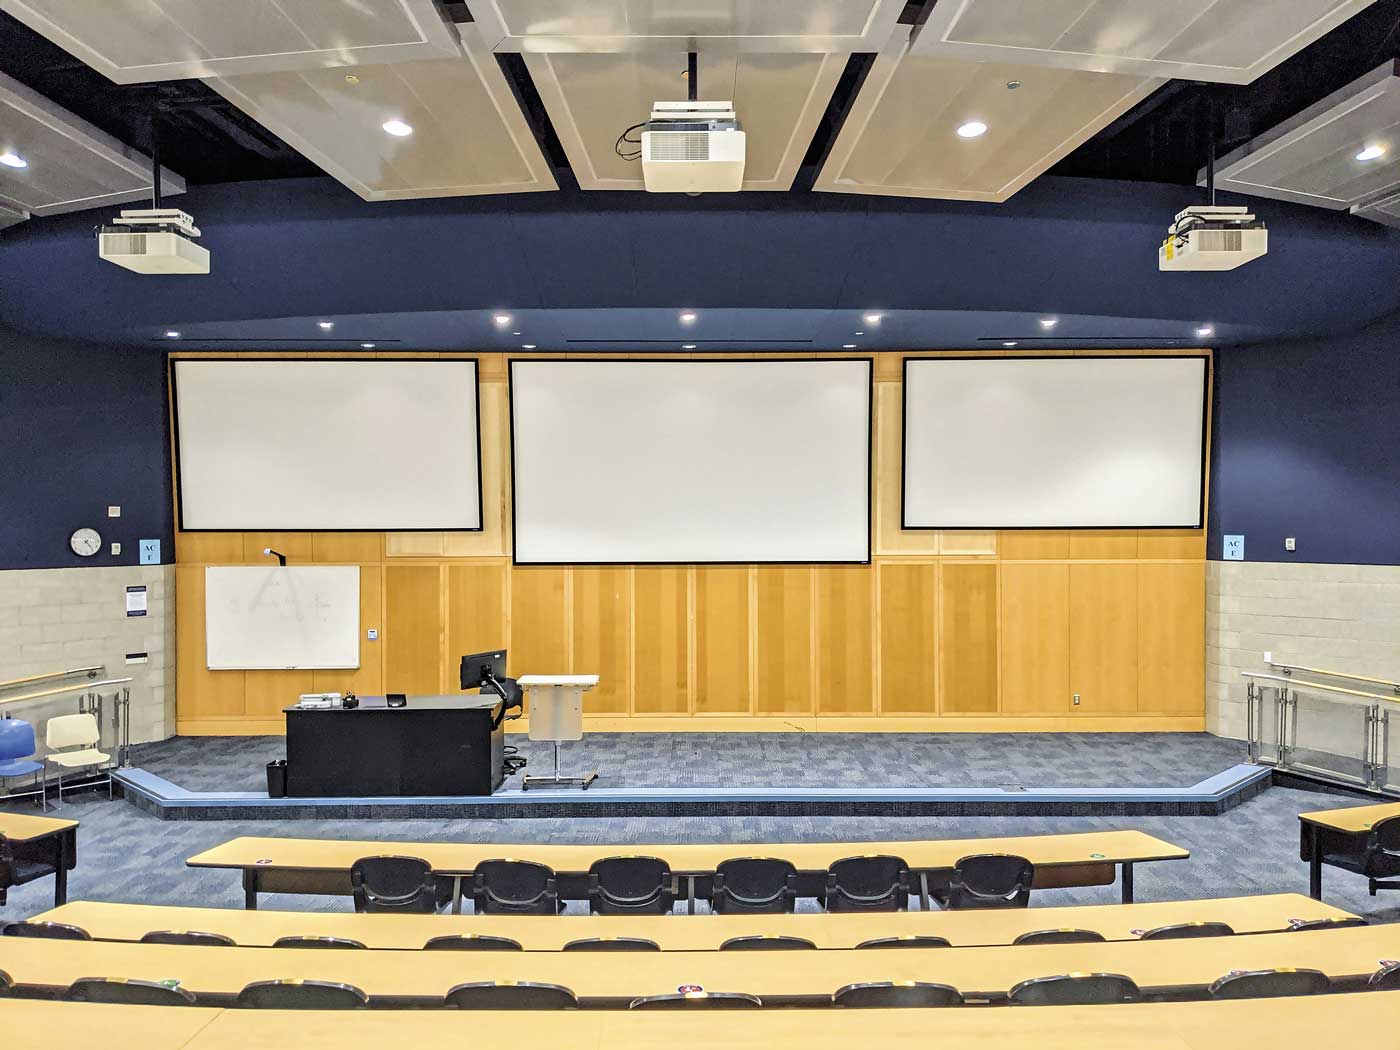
pixel 322 866
pixel 1116 922
pixel 780 978
pixel 1337 831
pixel 36 835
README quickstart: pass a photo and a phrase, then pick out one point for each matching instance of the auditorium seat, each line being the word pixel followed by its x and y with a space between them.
pixel 1182 931
pixel 767 943
pixel 612 944
pixel 897 994
pixel 1065 936
pixel 907 940
pixel 869 883
pixel 522 995
pixel 697 1001
pixel 57 931
pixel 316 942
pixel 397 884
pixel 1327 924
pixel 990 880
pixel 1379 861
pixel 514 887
pixel 631 886
pixel 1075 989
pixel 6 984
pixel 127 992
pixel 472 942
pixel 754 885
pixel 190 937
pixel 1270 984
pixel 302 995
pixel 1386 979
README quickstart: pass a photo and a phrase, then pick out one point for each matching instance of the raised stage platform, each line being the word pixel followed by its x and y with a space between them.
pixel 715 774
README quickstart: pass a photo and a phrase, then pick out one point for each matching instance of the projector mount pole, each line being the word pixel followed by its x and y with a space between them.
pixel 155 155
pixel 1210 146
pixel 692 76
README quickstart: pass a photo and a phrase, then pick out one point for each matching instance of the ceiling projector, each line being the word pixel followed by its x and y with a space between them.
pixel 692 147
pixel 1206 237
pixel 156 240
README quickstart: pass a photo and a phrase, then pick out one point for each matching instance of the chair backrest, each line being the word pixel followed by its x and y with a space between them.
pixel 472 942
pixel 302 995
pixel 870 883
pixel 16 739
pixel 1327 924
pixel 128 992
pixel 1075 989
pixel 514 887
pixel 697 1001
pixel 763 885
pixel 1185 930
pixel 192 937
pixel 631 886
pixel 1386 979
pixel 71 731
pixel 1064 936
pixel 391 883
pixel 520 995
pixel 1385 834
pixel 6 984
pixel 612 944
pixel 991 880
pixel 907 940
pixel 57 931
pixel 1270 984
pixel 295 941
pixel 767 942
pixel 897 994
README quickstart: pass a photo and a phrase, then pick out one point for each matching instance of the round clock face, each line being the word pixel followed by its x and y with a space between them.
pixel 85 542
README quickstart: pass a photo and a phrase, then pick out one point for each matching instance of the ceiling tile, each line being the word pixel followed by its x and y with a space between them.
pixel 1384 209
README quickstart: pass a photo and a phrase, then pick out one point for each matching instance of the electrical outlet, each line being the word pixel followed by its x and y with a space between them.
pixel 372 634
pixel 1268 657
pixel 116 548
pixel 114 512
pixel 1290 544
pixel 1076 699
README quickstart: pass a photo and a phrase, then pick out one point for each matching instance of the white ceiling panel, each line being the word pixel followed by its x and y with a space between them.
pixel 133 41
pixel 1228 41
pixel 1314 158
pixel 900 137
pixel 672 25
pixel 69 164
pixel 11 216
pixel 591 98
pixel 469 135
pixel 1384 209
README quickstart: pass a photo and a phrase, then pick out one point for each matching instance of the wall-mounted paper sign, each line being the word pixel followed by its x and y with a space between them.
pixel 136 601
pixel 150 552
pixel 1234 548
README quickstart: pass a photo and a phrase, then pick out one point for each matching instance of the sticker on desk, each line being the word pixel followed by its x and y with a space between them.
pixel 1137 933
pixel 136 600
pixel 263 860
pixel 1096 856
pixel 690 989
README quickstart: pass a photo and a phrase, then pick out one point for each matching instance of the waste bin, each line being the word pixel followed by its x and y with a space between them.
pixel 277 779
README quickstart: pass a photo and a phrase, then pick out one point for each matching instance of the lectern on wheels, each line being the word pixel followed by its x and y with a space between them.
pixel 556 715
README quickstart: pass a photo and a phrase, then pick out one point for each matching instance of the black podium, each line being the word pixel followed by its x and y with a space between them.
pixel 435 745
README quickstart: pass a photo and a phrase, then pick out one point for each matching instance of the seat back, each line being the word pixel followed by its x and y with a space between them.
pixel 514 887
pixel 991 880
pixel 16 739
pixel 7 984
pixel 521 995
pixel 127 992
pixel 302 995
pixel 907 940
pixel 897 994
pixel 192 937
pixel 697 1001
pixel 472 942
pixel 612 944
pixel 57 931
pixel 630 886
pixel 1270 984
pixel 754 885
pixel 295 941
pixel 1186 930
pixel 1075 989
pixel 1064 936
pixel 389 883
pixel 1385 835
pixel 1386 979
pixel 767 942
pixel 870 883
pixel 71 731
pixel 1327 924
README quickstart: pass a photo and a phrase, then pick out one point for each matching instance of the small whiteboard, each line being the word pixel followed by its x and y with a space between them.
pixel 281 617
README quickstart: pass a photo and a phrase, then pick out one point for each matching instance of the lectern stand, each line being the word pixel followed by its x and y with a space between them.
pixel 556 715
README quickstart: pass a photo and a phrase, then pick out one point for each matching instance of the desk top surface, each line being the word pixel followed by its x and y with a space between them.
pixel 19 827
pixel 1116 922
pixel 1094 847
pixel 1352 818
pixel 465 702
pixel 1353 952
pixel 537 681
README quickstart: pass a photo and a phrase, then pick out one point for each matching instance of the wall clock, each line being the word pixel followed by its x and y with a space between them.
pixel 85 542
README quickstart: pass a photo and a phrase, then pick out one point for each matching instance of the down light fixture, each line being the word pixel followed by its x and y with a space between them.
pixel 397 128
pixel 872 319
pixel 1371 152
pixel 366 346
pixel 848 346
pixel 972 129
pixel 687 346
pixel 172 334
pixel 13 160
pixel 501 320
pixel 688 317
pixel 1205 331
pixel 1009 343
pixel 325 326
pixel 1049 322
pixel 527 346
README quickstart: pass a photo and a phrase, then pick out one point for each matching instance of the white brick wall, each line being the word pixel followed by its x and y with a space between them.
pixel 54 619
pixel 1340 617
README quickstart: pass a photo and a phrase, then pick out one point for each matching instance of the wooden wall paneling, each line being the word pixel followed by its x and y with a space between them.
pixel 907 611
pixel 1171 639
pixel 476 613
pixel 414 544
pixel 722 662
pixel 209 548
pixel 347 548
pixel 967 604
pixel 413 637
pixel 201 693
pixel 495 452
pixel 890 537
pixel 661 640
pixel 1103 638
pixel 266 693
pixel 1172 543
pixel 369 679
pixel 964 542
pixel 1087 544
pixel 539 620
pixel 602 636
pixel 1035 639
pixel 783 635
pixel 1028 544
pixel 845 653
pixel 295 545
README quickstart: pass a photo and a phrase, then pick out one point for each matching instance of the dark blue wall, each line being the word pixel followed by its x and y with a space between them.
pixel 1307 444
pixel 82 427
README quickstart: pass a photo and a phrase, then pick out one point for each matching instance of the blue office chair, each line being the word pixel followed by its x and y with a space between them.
pixel 17 747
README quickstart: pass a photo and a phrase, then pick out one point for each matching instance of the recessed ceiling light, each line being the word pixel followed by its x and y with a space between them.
pixel 860 333
pixel 688 317
pixel 1009 343
pixel 172 334
pixel 848 346
pixel 1204 331
pixel 397 128
pixel 972 129
pixel 325 326
pixel 367 346
pixel 13 160
pixel 1372 152
pixel 873 318
pixel 502 319
pixel 1049 322
pixel 514 333
pixel 527 346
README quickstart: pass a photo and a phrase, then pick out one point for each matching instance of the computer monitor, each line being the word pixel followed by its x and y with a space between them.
pixel 482 669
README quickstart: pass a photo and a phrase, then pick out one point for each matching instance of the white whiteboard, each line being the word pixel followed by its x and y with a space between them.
pixel 623 462
pixel 1054 442
pixel 271 445
pixel 276 617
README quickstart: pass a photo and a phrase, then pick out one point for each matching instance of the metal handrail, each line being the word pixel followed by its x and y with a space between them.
pixel 1315 685
pixel 1337 674
pixel 91 672
pixel 65 689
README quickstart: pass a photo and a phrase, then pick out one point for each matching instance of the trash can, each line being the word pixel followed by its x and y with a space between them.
pixel 277 779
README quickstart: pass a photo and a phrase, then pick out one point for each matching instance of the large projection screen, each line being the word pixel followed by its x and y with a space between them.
pixel 272 444
pixel 1054 442
pixel 626 462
